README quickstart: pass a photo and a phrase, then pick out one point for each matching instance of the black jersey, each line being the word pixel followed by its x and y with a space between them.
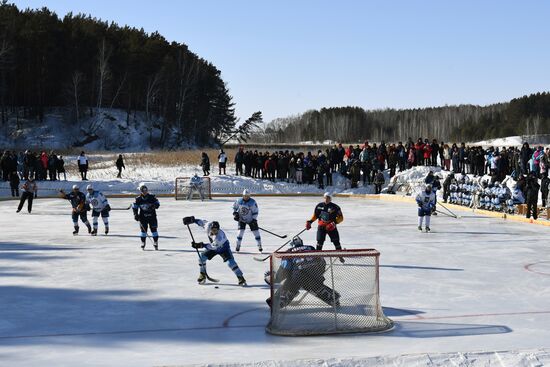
pixel 327 213
pixel 77 199
pixel 146 206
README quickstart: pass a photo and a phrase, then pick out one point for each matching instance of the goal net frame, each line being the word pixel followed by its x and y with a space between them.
pixel 346 300
pixel 182 188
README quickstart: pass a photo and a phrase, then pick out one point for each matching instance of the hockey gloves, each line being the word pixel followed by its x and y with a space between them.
pixel 236 216
pixel 197 244
pixel 308 225
pixel 188 220
pixel 136 217
pixel 330 227
pixel 108 207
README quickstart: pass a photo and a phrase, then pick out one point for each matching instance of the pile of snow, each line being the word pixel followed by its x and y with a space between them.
pixel 515 141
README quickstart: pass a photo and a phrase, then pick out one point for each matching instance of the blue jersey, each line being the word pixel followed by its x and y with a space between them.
pixel 248 210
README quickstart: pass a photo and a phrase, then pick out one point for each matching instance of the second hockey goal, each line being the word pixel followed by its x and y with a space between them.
pixel 325 292
pixel 189 188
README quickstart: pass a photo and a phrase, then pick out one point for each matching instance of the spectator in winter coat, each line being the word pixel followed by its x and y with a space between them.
pixel 43 165
pixel 222 161
pixel 61 168
pixel 83 166
pixel 446 157
pixel 120 165
pixel 205 164
pixel 379 182
pixel 435 151
pixel 239 161
pixel 14 184
pixel 525 155
pixel 532 195
pixel 544 188
pixel 52 167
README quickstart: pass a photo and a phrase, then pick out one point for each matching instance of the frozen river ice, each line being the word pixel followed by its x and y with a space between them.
pixel 474 284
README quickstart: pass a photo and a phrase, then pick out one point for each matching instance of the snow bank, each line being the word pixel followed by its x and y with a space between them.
pixel 516 141
pixel 522 358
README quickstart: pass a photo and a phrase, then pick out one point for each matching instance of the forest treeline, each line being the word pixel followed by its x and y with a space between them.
pixel 528 115
pixel 85 65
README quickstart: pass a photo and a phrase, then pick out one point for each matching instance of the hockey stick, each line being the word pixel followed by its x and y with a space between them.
pixel 262 259
pixel 275 234
pixel 198 254
pixel 445 214
pixel 128 208
pixel 450 212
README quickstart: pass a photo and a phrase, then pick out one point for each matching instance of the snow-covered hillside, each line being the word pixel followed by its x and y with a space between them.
pixel 109 129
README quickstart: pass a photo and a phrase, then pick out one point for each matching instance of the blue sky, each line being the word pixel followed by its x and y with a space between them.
pixel 285 57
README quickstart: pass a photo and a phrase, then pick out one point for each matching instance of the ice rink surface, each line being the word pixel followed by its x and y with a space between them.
pixel 473 284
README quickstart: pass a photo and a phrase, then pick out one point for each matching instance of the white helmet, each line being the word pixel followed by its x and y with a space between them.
pixel 327 195
pixel 246 192
pixel 89 187
pixel 75 187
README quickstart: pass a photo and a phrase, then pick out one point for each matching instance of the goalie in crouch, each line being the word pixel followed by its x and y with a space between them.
pixel 196 185
pixel 218 245
pixel 301 272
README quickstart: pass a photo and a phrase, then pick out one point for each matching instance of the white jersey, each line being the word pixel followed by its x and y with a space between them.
pixel 82 160
pixel 222 158
pixel 217 242
pixel 97 201
pixel 248 210
pixel 427 201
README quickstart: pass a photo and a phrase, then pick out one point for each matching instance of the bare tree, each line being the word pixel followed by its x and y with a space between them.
pixel 76 81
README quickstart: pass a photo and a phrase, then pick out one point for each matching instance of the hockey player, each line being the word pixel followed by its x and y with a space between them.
pixel 100 206
pixel 29 191
pixel 425 201
pixel 145 212
pixel 195 185
pixel 218 245
pixel 245 211
pixel 80 208
pixel 307 273
pixel 329 215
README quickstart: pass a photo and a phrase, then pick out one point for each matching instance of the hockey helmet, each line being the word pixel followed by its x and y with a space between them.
pixel 75 187
pixel 296 242
pixel 246 194
pixel 142 187
pixel 90 188
pixel 214 227
pixel 428 188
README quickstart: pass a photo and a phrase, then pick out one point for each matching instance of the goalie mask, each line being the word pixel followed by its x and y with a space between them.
pixel 296 242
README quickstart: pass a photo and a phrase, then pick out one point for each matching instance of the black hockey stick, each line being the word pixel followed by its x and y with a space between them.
pixel 450 212
pixel 262 259
pixel 186 221
pixel 128 208
pixel 445 214
pixel 275 234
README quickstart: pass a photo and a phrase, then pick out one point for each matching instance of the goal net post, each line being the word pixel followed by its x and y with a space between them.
pixel 326 292
pixel 188 188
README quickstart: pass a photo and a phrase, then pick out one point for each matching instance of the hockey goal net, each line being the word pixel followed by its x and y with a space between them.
pixel 326 292
pixel 188 189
